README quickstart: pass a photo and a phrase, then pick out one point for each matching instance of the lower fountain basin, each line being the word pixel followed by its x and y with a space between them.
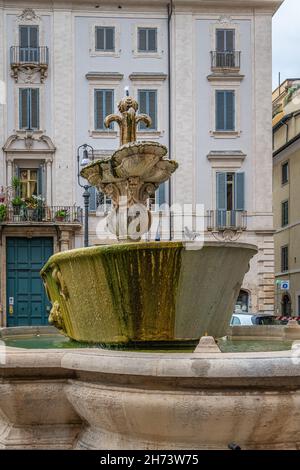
pixel 146 294
pixel 100 399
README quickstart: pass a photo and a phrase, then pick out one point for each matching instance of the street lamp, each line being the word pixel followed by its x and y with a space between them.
pixel 86 195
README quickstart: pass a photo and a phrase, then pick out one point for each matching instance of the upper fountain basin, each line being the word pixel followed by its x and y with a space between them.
pixel 146 293
pixel 136 159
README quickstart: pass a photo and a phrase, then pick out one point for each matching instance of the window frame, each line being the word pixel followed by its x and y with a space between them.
pixel 147 29
pixel 284 258
pixel 225 117
pixel 22 87
pixel 149 90
pixel 144 54
pixel 105 23
pixel 285 215
pixel 224 86
pixel 103 90
pixel 285 164
pixel 105 28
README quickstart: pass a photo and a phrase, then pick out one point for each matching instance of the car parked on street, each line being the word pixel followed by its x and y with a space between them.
pixel 250 319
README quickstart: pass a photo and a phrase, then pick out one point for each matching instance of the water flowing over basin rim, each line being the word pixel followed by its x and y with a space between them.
pixel 92 250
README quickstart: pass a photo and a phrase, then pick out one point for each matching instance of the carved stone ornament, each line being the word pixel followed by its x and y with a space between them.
pixel 132 174
pixel 58 278
pixel 227 235
pixel 28 15
pixel 225 19
pixel 55 317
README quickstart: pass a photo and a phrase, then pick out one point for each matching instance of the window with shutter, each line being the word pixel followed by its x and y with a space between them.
pixel 29 114
pixel 230 197
pixel 147 100
pixel 29 43
pixel 225 110
pixel 105 38
pixel 225 39
pixel 284 213
pixel 104 105
pixel 147 39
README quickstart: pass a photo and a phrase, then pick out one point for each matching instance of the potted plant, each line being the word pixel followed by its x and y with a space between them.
pixel 61 215
pixel 17 203
pixel 3 212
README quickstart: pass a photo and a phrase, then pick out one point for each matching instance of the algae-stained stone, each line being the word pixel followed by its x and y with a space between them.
pixel 146 294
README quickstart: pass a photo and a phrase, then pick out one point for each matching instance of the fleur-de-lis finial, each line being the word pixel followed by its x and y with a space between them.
pixel 128 120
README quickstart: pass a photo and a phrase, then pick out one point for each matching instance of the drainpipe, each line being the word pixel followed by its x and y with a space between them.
pixel 170 13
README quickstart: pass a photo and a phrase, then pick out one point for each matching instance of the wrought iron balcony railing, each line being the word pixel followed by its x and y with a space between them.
pixel 44 214
pixel 226 220
pixel 225 60
pixel 36 58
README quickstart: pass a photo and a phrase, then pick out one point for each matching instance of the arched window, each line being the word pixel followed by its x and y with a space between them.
pixel 286 305
pixel 242 303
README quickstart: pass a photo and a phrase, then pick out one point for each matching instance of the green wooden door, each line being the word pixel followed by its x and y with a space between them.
pixel 27 303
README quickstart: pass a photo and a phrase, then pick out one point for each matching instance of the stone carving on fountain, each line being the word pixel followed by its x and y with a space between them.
pixel 132 174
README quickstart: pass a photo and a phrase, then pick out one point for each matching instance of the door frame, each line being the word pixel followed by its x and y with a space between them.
pixel 19 232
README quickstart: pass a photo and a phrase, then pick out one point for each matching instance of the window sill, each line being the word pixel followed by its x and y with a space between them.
pixel 105 53
pixel 225 134
pixel 103 134
pixel 152 134
pixel 143 55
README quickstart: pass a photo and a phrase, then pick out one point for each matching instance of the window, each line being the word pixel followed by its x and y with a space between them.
pixel 225 49
pixel 29 43
pixel 230 198
pixel 105 38
pixel 284 258
pixel 284 213
pixel 99 201
pixel 28 183
pixel 225 39
pixel 235 321
pixel 225 110
pixel 104 105
pixel 147 39
pixel 285 173
pixel 29 108
pixel 147 100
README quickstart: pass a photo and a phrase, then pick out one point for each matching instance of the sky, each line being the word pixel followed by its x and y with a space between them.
pixel 286 41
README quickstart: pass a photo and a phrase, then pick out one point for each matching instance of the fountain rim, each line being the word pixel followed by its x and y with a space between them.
pixel 145 143
pixel 91 251
pixel 209 366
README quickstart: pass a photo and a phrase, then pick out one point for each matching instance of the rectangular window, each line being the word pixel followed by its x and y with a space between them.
pixel 230 198
pixel 285 173
pixel 147 100
pixel 225 39
pixel 284 258
pixel 104 105
pixel 225 110
pixel 105 38
pixel 99 201
pixel 284 213
pixel 29 43
pixel 29 113
pixel 28 183
pixel 147 39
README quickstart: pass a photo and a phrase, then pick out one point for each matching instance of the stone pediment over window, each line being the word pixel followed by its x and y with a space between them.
pixel 226 158
pixel 29 143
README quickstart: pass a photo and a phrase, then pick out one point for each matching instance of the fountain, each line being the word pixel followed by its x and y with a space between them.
pixel 135 312
pixel 141 294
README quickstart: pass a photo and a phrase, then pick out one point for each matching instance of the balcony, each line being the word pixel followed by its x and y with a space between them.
pixel 43 215
pixel 225 61
pixel 29 60
pixel 221 220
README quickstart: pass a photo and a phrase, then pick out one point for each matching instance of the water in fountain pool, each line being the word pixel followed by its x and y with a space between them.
pixel 57 341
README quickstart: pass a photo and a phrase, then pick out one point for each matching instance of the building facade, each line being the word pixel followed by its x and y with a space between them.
pixel 202 72
pixel 286 171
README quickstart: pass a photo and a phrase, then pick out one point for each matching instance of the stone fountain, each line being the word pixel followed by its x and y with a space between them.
pixel 151 296
pixel 141 294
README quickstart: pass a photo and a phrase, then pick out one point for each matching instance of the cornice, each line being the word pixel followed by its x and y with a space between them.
pixel 269 5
